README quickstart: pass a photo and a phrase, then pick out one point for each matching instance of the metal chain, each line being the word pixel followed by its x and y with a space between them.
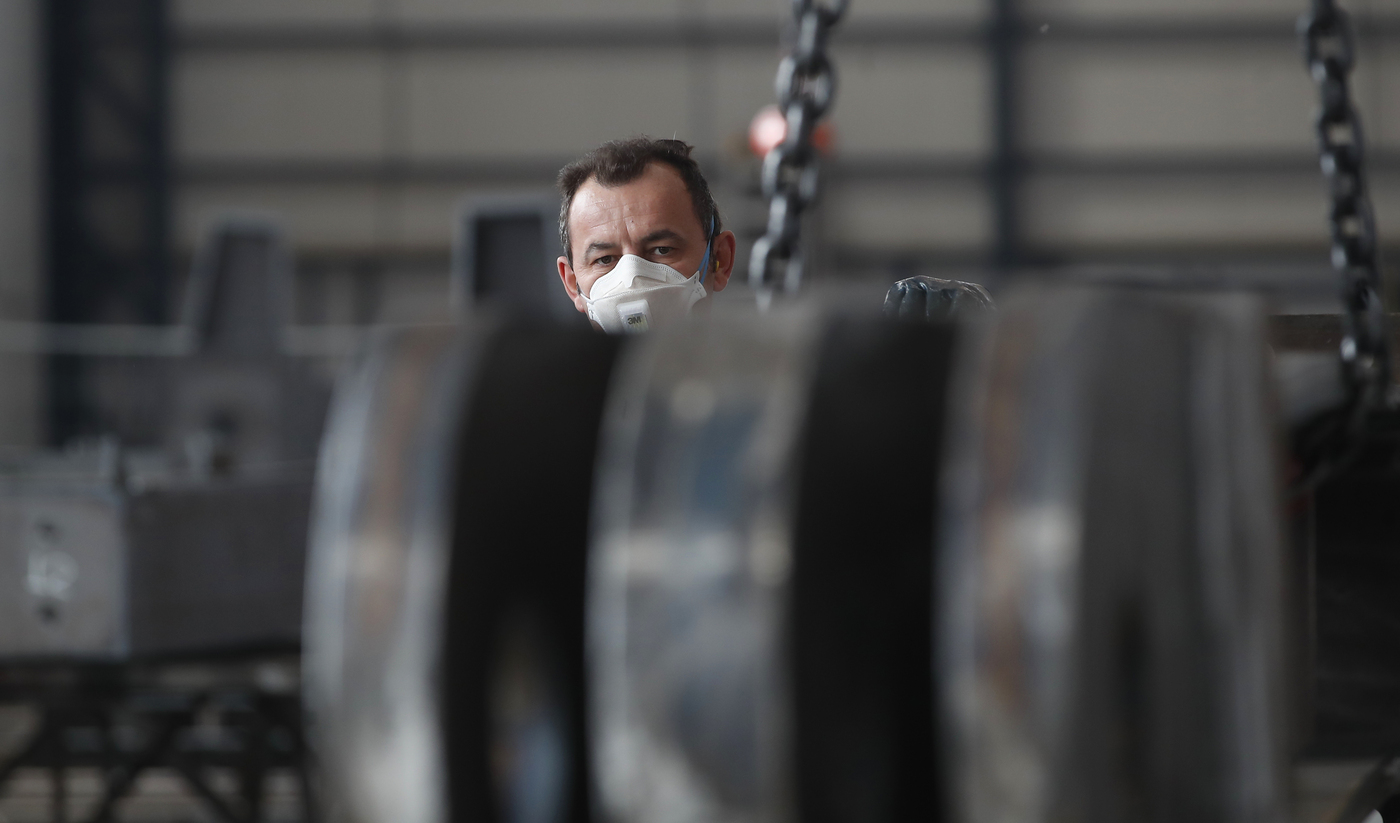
pixel 806 87
pixel 1330 50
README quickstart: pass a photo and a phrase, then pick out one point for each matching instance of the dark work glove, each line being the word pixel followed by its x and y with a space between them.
pixel 933 300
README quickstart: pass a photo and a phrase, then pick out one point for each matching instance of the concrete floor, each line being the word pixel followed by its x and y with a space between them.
pixel 1321 788
pixel 160 795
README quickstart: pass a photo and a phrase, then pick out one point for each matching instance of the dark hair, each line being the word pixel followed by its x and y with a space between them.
pixel 622 161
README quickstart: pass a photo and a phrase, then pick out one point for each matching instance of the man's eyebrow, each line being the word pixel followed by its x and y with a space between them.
pixel 598 245
pixel 660 234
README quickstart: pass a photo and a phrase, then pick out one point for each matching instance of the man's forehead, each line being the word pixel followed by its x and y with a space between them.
pixel 657 198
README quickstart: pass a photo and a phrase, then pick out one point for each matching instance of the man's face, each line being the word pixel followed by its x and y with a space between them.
pixel 650 217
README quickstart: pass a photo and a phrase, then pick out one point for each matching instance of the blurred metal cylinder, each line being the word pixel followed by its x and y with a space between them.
pixel 378 559
pixel 1112 579
pixel 775 628
pixel 445 593
pixel 760 571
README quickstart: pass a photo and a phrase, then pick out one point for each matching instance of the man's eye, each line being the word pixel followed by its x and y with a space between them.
pixel 662 251
pixel 604 261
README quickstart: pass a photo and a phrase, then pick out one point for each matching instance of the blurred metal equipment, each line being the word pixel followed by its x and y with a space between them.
pixel 761 572
pixel 1345 532
pixel 775 628
pixel 806 87
pixel 935 300
pixel 1349 530
pixel 238 299
pixel 504 252
pixel 1112 569
pixel 446 590
pixel 93 569
pixel 196 549
pixel 445 596
pixel 1344 518
pixel 142 590
pixel 238 396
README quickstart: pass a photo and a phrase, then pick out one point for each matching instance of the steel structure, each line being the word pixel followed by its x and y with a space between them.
pixel 107 176
pixel 125 722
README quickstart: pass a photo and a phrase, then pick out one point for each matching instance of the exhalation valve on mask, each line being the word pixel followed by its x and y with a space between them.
pixel 639 294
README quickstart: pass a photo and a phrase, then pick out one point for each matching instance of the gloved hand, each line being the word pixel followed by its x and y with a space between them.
pixel 933 300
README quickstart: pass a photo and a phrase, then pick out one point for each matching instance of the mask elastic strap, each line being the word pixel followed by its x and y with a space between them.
pixel 709 245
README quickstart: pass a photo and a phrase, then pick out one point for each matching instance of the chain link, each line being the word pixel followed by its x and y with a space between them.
pixel 806 88
pixel 1330 51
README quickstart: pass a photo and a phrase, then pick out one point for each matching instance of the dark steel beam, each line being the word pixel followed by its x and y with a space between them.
pixel 357 172
pixel 893 33
pixel 915 170
pixel 1273 31
pixel 1286 266
pixel 486 172
pixel 156 159
pixel 581 36
pixel 1253 164
pixel 87 63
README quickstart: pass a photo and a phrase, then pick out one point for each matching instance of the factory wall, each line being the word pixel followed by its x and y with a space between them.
pixel 364 122
pixel 1151 132
pixel 1162 148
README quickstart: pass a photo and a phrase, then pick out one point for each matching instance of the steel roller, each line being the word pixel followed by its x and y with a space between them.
pixel 1112 569
pixel 444 606
pixel 760 572
pixel 789 616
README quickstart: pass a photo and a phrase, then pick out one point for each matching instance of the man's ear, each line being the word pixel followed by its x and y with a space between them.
pixel 723 260
pixel 566 274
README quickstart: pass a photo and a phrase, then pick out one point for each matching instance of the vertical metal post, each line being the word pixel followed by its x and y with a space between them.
pixel 107 65
pixel 1004 170
pixel 65 247
pixel 156 44
pixel 64 59
pixel 58 775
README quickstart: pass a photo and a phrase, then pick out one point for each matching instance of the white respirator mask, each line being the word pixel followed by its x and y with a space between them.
pixel 639 294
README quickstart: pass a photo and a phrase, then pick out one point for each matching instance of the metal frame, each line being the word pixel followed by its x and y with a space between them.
pixel 107 69
pixel 117 721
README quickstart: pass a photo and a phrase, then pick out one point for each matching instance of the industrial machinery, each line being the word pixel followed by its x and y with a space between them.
pixel 151 611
